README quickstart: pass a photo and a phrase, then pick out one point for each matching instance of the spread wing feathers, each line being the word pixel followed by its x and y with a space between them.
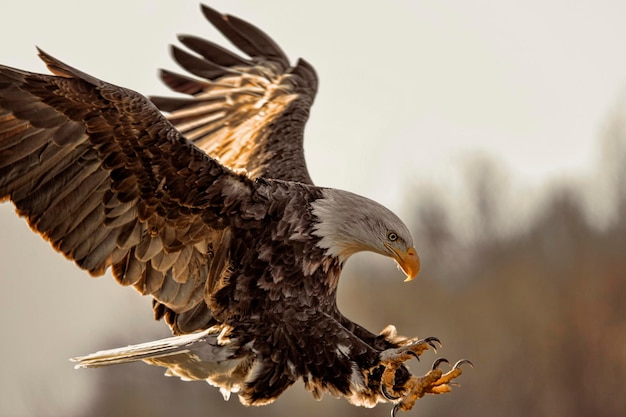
pixel 247 112
pixel 100 173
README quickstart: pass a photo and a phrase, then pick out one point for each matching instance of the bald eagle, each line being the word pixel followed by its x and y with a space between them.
pixel 211 211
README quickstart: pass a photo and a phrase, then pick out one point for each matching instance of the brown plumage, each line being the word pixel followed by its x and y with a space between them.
pixel 211 212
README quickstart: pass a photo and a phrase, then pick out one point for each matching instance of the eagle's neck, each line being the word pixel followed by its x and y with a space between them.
pixel 339 224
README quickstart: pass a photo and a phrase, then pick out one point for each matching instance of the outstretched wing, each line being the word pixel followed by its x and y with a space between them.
pixel 101 174
pixel 248 112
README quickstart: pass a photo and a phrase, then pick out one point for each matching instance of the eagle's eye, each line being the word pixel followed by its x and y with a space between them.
pixel 392 236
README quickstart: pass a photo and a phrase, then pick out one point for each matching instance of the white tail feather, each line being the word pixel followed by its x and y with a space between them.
pixel 210 355
pixel 158 348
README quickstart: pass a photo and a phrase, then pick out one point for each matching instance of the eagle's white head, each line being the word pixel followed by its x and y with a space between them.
pixel 349 223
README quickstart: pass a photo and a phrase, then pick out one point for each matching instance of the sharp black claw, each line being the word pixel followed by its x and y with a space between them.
pixel 394 410
pixel 439 362
pixel 462 362
pixel 433 342
pixel 386 393
pixel 410 352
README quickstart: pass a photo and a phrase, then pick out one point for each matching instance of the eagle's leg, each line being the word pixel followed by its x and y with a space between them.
pixel 392 359
pixel 434 382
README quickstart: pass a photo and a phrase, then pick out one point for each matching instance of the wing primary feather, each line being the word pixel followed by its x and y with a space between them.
pixel 245 36
pixel 198 66
pixel 180 83
pixel 213 52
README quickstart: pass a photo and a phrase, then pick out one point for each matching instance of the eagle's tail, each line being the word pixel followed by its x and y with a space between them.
pixel 210 355
pixel 155 349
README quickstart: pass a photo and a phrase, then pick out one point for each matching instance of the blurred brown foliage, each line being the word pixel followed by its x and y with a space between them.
pixel 541 311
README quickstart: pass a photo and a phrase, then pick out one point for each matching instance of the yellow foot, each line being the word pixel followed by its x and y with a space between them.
pixel 434 382
pixel 392 359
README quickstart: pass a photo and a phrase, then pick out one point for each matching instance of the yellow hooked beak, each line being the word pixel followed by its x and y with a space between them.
pixel 408 261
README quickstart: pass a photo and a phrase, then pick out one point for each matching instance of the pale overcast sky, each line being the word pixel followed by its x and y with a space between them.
pixel 408 89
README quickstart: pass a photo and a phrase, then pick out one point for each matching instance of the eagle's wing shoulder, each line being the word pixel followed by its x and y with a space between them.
pixel 101 174
pixel 248 112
